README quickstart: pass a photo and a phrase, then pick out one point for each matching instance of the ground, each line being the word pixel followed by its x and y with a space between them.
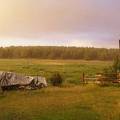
pixel 89 102
pixel 69 102
pixel 71 70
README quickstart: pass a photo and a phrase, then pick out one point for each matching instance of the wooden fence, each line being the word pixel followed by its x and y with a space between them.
pixel 101 78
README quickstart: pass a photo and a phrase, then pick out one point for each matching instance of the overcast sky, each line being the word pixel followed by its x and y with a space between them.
pixel 60 22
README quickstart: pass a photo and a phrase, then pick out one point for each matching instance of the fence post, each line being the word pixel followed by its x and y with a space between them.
pixel 83 77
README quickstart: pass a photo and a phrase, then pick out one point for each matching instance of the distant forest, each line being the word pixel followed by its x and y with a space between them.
pixel 45 52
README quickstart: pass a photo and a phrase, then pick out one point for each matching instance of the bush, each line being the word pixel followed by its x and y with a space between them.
pixel 116 64
pixel 56 79
pixel 111 73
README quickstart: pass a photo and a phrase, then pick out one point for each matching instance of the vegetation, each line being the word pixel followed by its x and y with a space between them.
pixel 112 72
pixel 56 79
pixel 69 103
pixel 58 53
pixel 71 70
pixel 116 65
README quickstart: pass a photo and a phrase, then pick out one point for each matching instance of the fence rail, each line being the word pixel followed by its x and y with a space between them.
pixel 114 78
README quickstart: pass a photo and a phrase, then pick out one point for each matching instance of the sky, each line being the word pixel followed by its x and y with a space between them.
pixel 80 23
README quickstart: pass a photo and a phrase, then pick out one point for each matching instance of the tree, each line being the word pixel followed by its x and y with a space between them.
pixel 50 52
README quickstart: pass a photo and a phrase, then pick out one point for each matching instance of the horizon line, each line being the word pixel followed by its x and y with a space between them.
pixel 58 46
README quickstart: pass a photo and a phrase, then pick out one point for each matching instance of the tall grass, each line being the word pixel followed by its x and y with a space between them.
pixel 73 103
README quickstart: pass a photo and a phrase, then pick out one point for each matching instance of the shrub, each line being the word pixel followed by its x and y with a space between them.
pixel 111 73
pixel 116 65
pixel 56 79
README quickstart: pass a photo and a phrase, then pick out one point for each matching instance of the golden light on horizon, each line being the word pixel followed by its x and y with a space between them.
pixel 30 19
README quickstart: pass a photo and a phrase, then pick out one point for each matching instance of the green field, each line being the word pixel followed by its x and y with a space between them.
pixel 70 102
pixel 71 70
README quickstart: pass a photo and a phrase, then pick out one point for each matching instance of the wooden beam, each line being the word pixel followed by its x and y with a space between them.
pixel 119 45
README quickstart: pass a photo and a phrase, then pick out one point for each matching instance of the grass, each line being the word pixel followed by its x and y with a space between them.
pixel 71 70
pixel 70 102
pixel 74 103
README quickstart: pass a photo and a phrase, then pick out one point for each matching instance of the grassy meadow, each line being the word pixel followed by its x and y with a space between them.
pixel 71 70
pixel 70 102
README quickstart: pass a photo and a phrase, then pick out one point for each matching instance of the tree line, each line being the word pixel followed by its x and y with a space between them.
pixel 53 52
